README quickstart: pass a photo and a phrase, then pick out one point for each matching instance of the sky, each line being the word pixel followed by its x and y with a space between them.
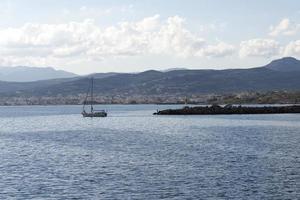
pixel 87 36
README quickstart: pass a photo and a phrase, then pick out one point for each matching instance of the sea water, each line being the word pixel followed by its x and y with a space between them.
pixel 52 152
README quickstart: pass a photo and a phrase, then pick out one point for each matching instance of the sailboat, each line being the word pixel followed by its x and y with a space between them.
pixel 92 112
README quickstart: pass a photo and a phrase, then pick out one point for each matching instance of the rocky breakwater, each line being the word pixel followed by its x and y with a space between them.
pixel 229 110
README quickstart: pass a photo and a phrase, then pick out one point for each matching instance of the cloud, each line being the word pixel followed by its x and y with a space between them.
pixel 219 50
pixel 285 27
pixel 292 49
pixel 85 39
pixel 173 38
pixel 259 48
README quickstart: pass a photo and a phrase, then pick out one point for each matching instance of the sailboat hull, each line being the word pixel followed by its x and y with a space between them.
pixel 94 114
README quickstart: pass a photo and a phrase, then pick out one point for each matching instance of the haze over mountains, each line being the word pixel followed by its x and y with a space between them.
pixel 27 74
pixel 281 74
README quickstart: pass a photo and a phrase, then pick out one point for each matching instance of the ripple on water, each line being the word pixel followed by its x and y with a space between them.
pixel 133 155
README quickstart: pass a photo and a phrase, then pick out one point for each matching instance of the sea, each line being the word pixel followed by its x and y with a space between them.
pixel 52 152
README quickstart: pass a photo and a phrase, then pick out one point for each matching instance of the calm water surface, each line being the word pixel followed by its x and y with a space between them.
pixel 51 152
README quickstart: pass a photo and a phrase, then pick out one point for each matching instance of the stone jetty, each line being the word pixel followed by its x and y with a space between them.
pixel 229 110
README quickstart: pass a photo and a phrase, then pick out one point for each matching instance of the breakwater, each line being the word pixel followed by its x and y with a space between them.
pixel 229 110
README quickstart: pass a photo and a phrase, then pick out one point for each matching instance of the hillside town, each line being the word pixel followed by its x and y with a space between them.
pixel 279 97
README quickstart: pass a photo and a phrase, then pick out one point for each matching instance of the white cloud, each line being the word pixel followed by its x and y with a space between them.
pixel 148 24
pixel 259 47
pixel 219 50
pixel 173 38
pixel 86 40
pixel 285 27
pixel 292 49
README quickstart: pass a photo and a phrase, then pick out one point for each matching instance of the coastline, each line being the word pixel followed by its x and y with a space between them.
pixel 242 98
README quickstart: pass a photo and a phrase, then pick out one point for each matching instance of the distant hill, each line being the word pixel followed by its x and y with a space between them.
pixel 173 69
pixel 103 75
pixel 278 75
pixel 287 64
pixel 27 74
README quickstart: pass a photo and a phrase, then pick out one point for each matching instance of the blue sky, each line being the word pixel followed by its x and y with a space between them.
pixel 100 36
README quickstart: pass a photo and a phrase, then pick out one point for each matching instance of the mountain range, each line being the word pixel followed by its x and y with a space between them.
pixel 281 74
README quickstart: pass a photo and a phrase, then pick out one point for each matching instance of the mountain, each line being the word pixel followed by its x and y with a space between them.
pixel 173 69
pixel 103 75
pixel 287 64
pixel 176 82
pixel 27 74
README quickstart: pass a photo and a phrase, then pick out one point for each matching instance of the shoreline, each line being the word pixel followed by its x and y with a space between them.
pixel 159 104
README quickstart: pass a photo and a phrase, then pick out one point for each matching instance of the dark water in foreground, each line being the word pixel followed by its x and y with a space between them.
pixel 54 153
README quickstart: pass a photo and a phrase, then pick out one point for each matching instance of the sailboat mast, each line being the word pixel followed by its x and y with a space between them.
pixel 92 95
